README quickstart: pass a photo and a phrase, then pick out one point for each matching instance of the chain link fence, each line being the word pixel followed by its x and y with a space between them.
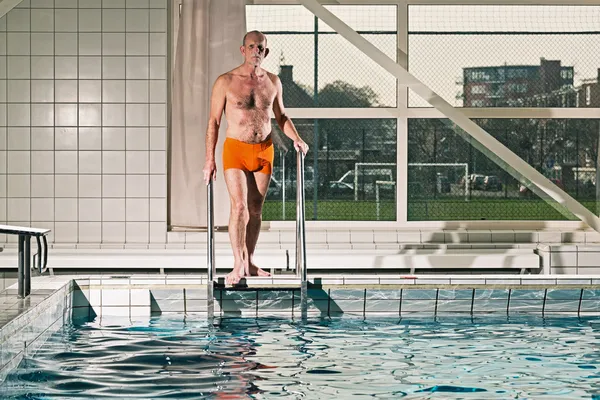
pixel 350 171
pixel 506 56
pixel 448 179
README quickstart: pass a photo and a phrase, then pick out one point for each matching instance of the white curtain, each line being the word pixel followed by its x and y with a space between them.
pixel 207 44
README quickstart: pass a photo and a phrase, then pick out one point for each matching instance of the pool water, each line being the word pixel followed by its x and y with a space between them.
pixel 183 357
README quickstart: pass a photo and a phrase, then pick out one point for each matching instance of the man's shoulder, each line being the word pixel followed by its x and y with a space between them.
pixel 273 77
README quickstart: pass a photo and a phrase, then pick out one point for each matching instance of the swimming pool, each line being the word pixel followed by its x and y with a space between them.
pixel 177 356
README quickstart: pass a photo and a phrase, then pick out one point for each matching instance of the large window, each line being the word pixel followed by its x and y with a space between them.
pixel 449 179
pixel 550 49
pixel 313 61
pixel 350 172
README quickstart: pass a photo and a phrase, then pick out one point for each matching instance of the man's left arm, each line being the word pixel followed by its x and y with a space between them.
pixel 285 123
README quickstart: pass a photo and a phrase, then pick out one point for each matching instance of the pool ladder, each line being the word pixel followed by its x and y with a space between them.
pixel 301 275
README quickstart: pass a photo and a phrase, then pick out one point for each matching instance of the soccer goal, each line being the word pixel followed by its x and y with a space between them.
pixel 441 183
pixel 367 174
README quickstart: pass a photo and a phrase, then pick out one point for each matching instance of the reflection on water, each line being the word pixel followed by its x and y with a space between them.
pixel 187 357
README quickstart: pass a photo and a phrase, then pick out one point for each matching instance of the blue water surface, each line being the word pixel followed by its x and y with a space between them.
pixel 188 357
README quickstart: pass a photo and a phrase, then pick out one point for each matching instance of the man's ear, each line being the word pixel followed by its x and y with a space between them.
pixel 242 50
pixel 266 52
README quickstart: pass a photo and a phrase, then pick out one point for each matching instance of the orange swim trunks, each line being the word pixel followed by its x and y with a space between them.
pixel 249 157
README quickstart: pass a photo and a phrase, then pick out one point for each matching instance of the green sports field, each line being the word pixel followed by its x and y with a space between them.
pixel 424 210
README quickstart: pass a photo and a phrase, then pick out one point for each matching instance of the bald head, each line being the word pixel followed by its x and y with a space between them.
pixel 256 35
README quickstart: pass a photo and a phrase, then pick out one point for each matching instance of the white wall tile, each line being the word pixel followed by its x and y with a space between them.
pixel 3 138
pixel 42 185
pixel 90 44
pixel 158 232
pixel 158 67
pixel 65 92
pixel 65 114
pixel 65 162
pixel 90 232
pixel 113 20
pixel 158 115
pixel 137 138
pixel 4 186
pixel 137 162
pixel 3 67
pixel 113 162
pixel 65 44
pixel 90 20
pixel 137 232
pixel 90 138
pixel 65 185
pixel 137 20
pixel 42 209
pixel 89 4
pixel 158 210
pixel 113 4
pixel 113 67
pixel 90 186
pixel 90 91
pixel 18 44
pixel 113 210
pixel 113 91
pixel 42 138
pixel 158 91
pixel 19 138
pixel 42 162
pixel 19 162
pixel 136 91
pixel 137 67
pixel 158 186
pixel 18 114
pixel 136 44
pixel 90 209
pixel 113 44
pixel 42 20
pixel 65 232
pixel 42 114
pixel 42 44
pixel 158 44
pixel 158 138
pixel 65 138
pixel 158 3
pixel 158 162
pixel 137 3
pixel 17 20
pixel 90 67
pixel 65 3
pixel 113 138
pixel 43 4
pixel 137 186
pixel 90 114
pixel 24 4
pixel 113 232
pixel 90 162
pixel 18 186
pixel 158 20
pixel 137 209
pixel 42 67
pixel 19 91
pixel 18 67
pixel 113 114
pixel 65 67
pixel 65 20
pixel 18 209
pixel 42 91
pixel 65 209
pixel 113 186
pixel 137 115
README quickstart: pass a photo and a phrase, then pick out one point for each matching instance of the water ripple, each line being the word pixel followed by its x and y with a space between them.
pixel 186 358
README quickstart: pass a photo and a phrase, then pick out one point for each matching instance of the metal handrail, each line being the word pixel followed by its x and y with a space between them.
pixel 301 236
pixel 210 262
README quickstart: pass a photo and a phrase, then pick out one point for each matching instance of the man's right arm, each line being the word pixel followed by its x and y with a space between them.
pixel 217 105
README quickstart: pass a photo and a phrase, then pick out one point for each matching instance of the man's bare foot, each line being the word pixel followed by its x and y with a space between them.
pixel 235 276
pixel 255 271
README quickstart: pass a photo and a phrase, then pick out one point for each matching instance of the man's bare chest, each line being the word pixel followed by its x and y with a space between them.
pixel 251 96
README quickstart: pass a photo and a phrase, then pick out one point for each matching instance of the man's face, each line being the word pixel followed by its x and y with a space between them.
pixel 255 49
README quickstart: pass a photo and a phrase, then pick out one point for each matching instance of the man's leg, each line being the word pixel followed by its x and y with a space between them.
pixel 238 220
pixel 257 184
